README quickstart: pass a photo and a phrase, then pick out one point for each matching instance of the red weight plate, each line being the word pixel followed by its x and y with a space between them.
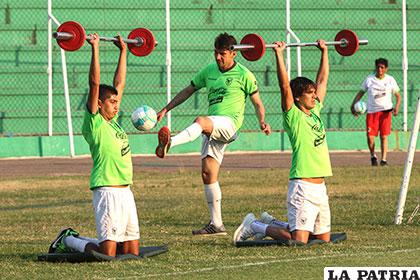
pixel 78 32
pixel 148 45
pixel 352 42
pixel 259 47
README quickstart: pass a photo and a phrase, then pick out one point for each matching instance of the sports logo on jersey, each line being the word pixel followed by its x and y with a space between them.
pixel 319 140
pixel 125 150
pixel 228 81
pixel 318 130
pixel 216 95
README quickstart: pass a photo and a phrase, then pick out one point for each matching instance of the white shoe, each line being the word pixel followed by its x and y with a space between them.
pixel 244 231
pixel 266 219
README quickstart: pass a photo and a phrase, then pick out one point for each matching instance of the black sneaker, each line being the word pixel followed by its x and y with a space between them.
pixel 58 246
pixel 384 163
pixel 374 161
pixel 210 229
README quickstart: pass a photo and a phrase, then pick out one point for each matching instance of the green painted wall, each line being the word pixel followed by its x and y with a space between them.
pixel 43 146
pixel 194 25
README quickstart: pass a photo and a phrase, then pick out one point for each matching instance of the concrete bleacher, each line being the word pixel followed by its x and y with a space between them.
pixel 194 23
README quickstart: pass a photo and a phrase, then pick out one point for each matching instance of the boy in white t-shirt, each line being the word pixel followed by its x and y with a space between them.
pixel 380 88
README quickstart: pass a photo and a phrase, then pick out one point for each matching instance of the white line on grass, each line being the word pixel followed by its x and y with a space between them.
pixel 264 263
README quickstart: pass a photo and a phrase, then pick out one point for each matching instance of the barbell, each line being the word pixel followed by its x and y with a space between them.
pixel 71 36
pixel 252 45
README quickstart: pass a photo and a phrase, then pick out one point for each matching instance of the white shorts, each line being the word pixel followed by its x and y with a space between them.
pixel 307 207
pixel 115 214
pixel 224 132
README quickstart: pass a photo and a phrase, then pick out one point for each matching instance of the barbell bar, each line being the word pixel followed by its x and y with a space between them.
pixel 71 36
pixel 253 47
pixel 62 36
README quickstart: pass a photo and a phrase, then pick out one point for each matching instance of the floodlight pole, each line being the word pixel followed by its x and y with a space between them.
pixel 404 63
pixel 168 61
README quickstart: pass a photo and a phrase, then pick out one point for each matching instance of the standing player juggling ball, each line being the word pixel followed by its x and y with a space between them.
pixel 308 209
pixel 112 173
pixel 228 84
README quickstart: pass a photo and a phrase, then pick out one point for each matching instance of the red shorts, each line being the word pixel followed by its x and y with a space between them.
pixel 379 121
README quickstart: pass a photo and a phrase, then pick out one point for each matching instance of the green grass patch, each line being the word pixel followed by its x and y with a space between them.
pixel 170 205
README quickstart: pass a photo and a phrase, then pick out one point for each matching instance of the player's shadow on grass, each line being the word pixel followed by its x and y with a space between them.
pixel 22 256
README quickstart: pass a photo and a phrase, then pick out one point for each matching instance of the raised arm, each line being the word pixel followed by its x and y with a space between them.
pixel 323 72
pixel 121 71
pixel 94 75
pixel 287 100
pixel 260 112
pixel 178 99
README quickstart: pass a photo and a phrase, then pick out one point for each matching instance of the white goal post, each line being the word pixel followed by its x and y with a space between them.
pixel 408 165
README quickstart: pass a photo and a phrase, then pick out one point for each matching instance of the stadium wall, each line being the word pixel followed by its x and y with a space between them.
pixel 194 24
pixel 47 146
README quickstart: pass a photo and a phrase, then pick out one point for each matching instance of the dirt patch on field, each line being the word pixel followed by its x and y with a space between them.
pixel 232 161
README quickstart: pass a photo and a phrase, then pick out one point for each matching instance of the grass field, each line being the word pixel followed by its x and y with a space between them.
pixel 171 204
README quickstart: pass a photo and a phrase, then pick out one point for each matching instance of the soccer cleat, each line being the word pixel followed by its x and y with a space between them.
pixel 244 231
pixel 164 138
pixel 210 229
pixel 58 246
pixel 384 163
pixel 374 161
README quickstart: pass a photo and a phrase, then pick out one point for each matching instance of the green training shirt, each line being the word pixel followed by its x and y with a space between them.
pixel 227 91
pixel 110 151
pixel 310 158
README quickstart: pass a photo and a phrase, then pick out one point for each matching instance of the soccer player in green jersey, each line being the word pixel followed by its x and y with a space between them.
pixel 112 172
pixel 228 84
pixel 307 200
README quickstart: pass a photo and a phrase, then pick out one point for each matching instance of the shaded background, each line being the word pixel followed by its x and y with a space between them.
pixel 194 25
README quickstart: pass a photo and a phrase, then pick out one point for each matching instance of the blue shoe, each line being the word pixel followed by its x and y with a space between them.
pixel 58 246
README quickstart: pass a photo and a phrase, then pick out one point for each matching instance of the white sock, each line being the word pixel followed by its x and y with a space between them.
pixel 214 202
pixel 90 239
pixel 75 243
pixel 259 227
pixel 187 135
pixel 280 224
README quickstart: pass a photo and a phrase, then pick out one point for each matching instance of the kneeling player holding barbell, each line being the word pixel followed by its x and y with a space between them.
pixel 307 200
pixel 112 173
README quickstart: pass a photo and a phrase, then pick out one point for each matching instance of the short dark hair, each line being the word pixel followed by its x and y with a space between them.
pixel 300 85
pixel 224 41
pixel 104 90
pixel 382 61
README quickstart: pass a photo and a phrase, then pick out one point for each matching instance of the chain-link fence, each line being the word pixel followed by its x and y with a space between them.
pixel 194 25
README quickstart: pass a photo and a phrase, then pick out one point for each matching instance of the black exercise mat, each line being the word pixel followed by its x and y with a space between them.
pixel 145 252
pixel 335 238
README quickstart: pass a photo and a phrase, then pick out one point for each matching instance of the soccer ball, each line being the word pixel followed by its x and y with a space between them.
pixel 360 107
pixel 144 118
